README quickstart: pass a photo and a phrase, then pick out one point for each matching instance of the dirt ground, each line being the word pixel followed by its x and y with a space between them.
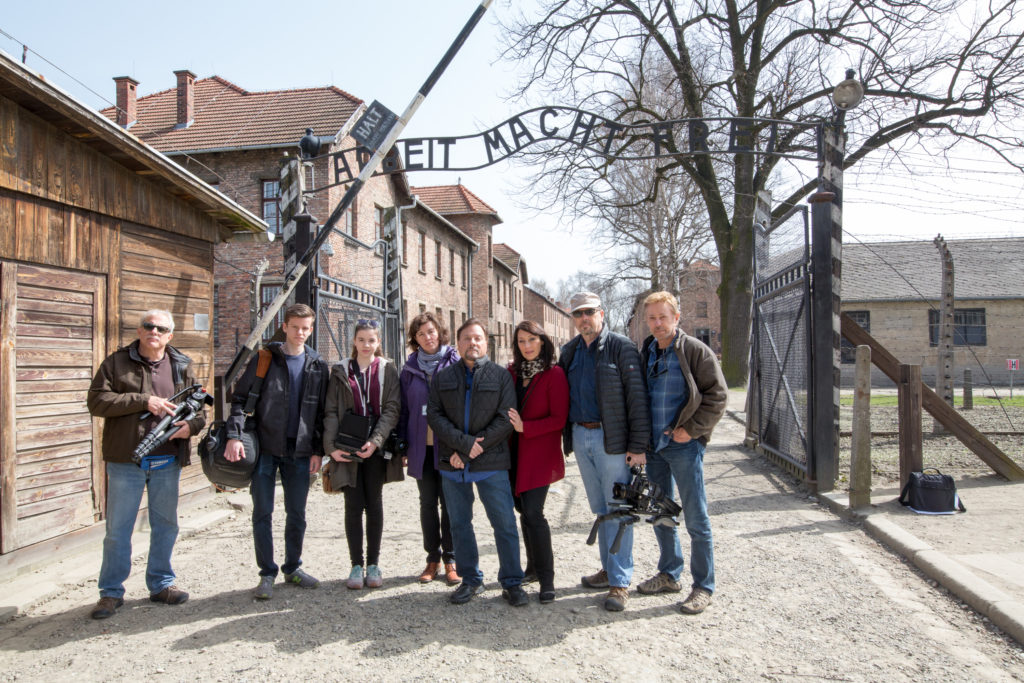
pixel 800 594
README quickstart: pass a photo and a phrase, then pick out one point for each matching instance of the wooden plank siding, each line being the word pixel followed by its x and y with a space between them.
pixel 86 246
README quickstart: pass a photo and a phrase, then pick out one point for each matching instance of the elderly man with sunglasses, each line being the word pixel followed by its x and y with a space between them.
pixel 688 396
pixel 135 382
pixel 609 428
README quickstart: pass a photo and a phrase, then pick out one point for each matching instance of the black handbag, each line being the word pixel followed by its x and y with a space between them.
pixel 221 472
pixel 931 494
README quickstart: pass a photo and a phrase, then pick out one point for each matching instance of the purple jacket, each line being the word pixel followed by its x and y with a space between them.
pixel 412 423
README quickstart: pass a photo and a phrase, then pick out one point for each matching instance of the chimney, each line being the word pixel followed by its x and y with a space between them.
pixel 126 91
pixel 186 97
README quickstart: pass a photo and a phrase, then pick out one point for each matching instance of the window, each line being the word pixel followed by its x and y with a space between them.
pixel 267 295
pixel 968 327
pixel 378 221
pixel 451 322
pixel 437 259
pixel 349 221
pixel 490 254
pixel 704 335
pixel 847 351
pixel 352 219
pixel 490 301
pixel 462 264
pixel 451 266
pixel 423 252
pixel 271 195
pixel 216 314
pixel 423 308
pixel 702 309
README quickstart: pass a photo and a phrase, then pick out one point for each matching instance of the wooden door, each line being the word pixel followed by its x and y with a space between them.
pixel 52 324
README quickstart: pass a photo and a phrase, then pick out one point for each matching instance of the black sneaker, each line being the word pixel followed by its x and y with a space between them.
pixel 515 596
pixel 464 593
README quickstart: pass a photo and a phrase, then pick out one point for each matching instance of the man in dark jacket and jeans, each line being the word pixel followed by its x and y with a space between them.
pixel 468 411
pixel 132 381
pixel 289 416
pixel 609 427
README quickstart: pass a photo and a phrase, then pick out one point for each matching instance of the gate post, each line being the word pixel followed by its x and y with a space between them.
pixel 826 270
pixel 860 446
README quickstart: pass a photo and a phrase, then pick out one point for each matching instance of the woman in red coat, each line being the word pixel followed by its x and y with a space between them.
pixel 537 461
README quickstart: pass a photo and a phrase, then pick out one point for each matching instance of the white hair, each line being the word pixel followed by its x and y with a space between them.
pixel 158 311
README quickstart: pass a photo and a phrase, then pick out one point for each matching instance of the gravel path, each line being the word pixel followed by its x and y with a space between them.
pixel 801 595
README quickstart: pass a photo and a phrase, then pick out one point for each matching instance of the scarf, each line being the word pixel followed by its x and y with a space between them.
pixel 428 362
pixel 361 395
pixel 529 368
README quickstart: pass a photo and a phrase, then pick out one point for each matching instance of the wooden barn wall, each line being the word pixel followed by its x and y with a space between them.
pixel 66 213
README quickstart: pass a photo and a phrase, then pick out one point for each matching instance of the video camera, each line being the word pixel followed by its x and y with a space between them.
pixel 638 496
pixel 166 428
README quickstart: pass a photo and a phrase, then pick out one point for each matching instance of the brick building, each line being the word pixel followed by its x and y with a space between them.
pixel 699 308
pixel 543 310
pixel 893 290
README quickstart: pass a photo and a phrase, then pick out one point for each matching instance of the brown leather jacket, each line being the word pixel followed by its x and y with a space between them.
pixel 119 393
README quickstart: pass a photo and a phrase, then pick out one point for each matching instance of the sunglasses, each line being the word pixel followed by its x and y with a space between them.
pixel 368 323
pixel 584 312
pixel 148 326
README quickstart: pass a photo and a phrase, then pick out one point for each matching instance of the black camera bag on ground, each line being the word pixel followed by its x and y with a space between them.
pixel 221 472
pixel 931 494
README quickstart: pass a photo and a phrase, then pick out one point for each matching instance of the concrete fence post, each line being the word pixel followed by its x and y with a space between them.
pixel 860 451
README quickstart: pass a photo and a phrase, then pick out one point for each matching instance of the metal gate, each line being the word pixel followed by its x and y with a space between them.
pixel 781 341
pixel 340 306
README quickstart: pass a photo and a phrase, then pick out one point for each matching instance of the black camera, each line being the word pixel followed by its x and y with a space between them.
pixel 638 495
pixel 394 445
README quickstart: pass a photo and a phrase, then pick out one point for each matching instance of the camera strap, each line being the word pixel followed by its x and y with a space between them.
pixel 262 368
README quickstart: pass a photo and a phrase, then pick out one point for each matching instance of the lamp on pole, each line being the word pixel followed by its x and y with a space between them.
pixel 826 269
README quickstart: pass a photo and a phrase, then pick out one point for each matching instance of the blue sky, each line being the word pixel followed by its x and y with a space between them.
pixel 385 49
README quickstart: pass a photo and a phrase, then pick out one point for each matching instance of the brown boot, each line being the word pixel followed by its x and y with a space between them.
pixel 172 595
pixel 450 575
pixel 428 574
pixel 106 607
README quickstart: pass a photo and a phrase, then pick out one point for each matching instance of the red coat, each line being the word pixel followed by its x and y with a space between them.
pixel 539 459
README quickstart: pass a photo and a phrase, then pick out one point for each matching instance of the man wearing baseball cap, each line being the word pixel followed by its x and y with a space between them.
pixel 609 429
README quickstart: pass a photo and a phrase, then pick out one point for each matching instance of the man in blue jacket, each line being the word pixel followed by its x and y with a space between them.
pixel 289 416
pixel 609 428
pixel 468 411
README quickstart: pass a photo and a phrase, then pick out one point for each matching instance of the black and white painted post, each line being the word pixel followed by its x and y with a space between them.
pixel 377 131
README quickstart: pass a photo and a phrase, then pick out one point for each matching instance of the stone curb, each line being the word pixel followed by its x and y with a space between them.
pixel 989 601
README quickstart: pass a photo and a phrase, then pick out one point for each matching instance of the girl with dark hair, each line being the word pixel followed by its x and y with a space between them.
pixel 366 384
pixel 542 393
pixel 428 340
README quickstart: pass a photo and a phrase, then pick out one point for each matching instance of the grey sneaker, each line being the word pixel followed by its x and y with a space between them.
pixel 265 590
pixel 355 578
pixel 659 583
pixel 302 579
pixel 697 602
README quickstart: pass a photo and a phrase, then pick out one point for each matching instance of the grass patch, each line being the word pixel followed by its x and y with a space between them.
pixel 890 400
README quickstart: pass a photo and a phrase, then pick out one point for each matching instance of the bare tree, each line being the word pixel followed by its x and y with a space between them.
pixel 937 73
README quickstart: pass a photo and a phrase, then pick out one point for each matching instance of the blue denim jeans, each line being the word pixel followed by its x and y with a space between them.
pixel 496 495
pixel 125 484
pixel 684 463
pixel 295 484
pixel 600 471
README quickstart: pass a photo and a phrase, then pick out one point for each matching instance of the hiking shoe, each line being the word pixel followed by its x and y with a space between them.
pixel 374 579
pixel 659 583
pixel 355 578
pixel 428 574
pixel 516 596
pixel 106 607
pixel 464 593
pixel 302 579
pixel 697 602
pixel 598 580
pixel 265 590
pixel 171 595
pixel 451 575
pixel 616 599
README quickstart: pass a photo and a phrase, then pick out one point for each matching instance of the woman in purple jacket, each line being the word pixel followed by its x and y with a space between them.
pixel 429 341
